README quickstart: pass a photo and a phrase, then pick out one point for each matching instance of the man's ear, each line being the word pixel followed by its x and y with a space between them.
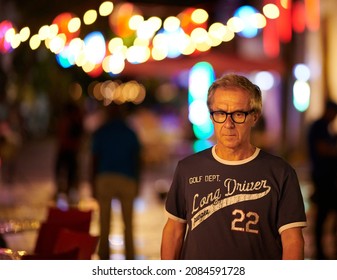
pixel 256 117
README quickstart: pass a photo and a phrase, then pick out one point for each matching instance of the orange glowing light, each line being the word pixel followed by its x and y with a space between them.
pixel 120 17
pixel 62 21
pixel 186 22
pixel 312 10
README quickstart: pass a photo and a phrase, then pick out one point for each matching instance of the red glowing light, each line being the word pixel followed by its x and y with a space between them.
pixel 96 72
pixel 5 46
pixel 298 17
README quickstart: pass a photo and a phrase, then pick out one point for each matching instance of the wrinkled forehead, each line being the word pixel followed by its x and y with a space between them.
pixel 230 99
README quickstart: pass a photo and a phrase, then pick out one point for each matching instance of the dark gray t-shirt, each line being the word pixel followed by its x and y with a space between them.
pixel 235 209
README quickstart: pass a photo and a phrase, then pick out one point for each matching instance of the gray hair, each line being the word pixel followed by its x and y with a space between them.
pixel 234 81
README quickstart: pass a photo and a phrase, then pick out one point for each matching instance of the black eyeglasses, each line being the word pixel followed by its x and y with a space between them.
pixel 237 116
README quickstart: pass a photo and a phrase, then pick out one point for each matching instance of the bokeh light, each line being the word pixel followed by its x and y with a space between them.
pixel 301 72
pixel 246 14
pixel 5 46
pixel 200 78
pixel 301 95
pixel 95 47
pixel 62 21
pixel 120 17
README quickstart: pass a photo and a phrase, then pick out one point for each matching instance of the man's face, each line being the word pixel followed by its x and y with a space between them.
pixel 231 135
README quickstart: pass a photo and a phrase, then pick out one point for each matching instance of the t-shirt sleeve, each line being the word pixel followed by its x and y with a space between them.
pixel 175 201
pixel 291 207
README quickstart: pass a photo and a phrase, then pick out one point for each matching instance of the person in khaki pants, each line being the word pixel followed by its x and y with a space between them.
pixel 115 157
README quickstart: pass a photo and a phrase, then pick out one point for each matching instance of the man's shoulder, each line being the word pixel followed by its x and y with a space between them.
pixel 196 157
pixel 274 160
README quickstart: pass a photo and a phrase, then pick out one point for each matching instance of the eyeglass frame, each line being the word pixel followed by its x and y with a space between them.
pixel 246 113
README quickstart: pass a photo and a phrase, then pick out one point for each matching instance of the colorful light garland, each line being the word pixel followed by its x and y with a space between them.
pixel 142 39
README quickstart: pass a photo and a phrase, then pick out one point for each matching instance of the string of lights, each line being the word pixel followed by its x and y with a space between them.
pixel 135 39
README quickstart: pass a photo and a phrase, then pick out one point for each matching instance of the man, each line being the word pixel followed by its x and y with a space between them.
pixel 233 200
pixel 323 155
pixel 116 158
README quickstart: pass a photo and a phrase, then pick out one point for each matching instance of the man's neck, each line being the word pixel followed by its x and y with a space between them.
pixel 234 154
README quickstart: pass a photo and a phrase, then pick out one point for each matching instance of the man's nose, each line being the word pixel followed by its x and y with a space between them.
pixel 229 122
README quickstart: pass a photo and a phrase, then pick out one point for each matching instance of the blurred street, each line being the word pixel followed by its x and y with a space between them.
pixel 28 197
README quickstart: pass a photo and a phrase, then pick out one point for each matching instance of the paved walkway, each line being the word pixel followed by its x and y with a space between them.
pixel 31 193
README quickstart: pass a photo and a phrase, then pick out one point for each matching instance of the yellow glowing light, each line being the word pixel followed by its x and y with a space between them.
pixel 235 24
pixel 15 42
pixel 10 34
pixel 105 64
pixel 271 11
pixel 88 67
pixel 77 44
pixel 199 35
pixel 138 54
pixel 90 17
pixel 203 46
pixel 24 34
pixel 258 20
pixel 106 8
pixel 228 36
pixel 34 42
pixel 216 33
pixel 160 42
pixel 135 21
pixel 74 25
pixel 159 53
pixel 156 22
pixel 141 95
pixel 217 30
pixel 53 30
pixel 171 24
pixel 116 45
pixel 199 16
pixel 145 30
pixel 285 4
pixel 44 32
pixel 186 46
pixel 141 42
pixel 116 64
pixel 81 59
pixel 57 44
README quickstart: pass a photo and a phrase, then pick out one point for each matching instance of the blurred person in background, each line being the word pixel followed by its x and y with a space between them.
pixel 69 136
pixel 234 200
pixel 10 142
pixel 323 155
pixel 116 168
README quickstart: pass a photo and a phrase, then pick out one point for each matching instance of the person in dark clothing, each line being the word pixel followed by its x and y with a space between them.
pixel 116 158
pixel 69 133
pixel 323 156
pixel 234 200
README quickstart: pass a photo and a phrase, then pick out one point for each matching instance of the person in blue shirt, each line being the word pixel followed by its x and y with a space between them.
pixel 234 200
pixel 116 166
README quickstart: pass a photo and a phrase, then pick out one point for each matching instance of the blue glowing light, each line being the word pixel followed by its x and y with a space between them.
pixel 200 78
pixel 246 13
